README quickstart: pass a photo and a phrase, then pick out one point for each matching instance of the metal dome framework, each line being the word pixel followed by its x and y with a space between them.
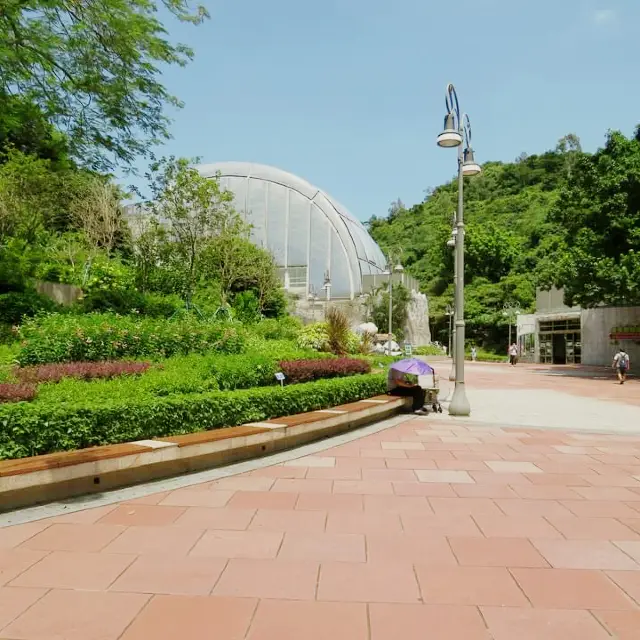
pixel 308 232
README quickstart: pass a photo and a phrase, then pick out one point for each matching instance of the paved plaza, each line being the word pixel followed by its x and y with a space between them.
pixel 520 523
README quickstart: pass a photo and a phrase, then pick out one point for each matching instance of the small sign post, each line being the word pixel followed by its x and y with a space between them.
pixel 280 378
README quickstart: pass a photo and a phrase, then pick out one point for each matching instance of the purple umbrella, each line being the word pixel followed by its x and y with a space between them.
pixel 413 366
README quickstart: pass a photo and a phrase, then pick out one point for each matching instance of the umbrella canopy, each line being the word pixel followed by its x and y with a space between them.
pixel 413 366
pixel 367 327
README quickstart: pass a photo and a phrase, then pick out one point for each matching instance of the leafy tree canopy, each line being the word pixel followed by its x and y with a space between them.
pixel 92 70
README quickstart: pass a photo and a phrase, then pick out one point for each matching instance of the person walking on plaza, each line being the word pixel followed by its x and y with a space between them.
pixel 622 363
pixel 513 354
pixel 474 354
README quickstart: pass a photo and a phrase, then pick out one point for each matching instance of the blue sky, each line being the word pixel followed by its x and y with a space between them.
pixel 349 94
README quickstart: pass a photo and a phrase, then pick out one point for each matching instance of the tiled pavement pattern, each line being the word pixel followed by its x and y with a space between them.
pixel 428 530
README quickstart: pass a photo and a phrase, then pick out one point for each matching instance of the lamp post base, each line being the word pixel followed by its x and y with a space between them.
pixel 452 373
pixel 459 405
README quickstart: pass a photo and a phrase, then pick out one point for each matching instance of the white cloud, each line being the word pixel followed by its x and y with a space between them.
pixel 604 16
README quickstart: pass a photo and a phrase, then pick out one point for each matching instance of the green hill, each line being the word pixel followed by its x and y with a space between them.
pixel 507 235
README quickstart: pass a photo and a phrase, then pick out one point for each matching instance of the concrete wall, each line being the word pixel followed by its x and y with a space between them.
pixel 597 347
pixel 64 294
pixel 551 301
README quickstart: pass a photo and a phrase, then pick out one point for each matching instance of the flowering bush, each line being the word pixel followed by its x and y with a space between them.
pixel 10 392
pixel 298 371
pixel 96 337
pixel 316 337
pixel 80 370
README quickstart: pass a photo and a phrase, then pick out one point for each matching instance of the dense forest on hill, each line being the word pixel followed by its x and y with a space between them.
pixel 563 218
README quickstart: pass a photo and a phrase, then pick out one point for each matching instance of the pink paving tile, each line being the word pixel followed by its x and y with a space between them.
pixel 323 547
pixel 509 623
pixel 16 600
pixel 369 522
pixel 413 621
pixel 77 615
pixel 13 536
pixel 462 465
pixel 476 455
pixel 437 526
pixel 464 506
pixel 154 498
pixel 532 507
pixel 286 579
pixel 352 582
pixel 67 570
pixel 632 523
pixel 402 548
pixel 360 463
pixel 516 527
pixel 483 491
pixel 197 498
pixel 496 552
pixel 431 455
pixel 84 516
pixel 75 537
pixel 469 586
pixel 491 477
pixel 303 486
pixel 585 554
pixel 278 471
pixel 628 581
pixel 238 544
pixel 623 625
pixel 406 475
pixel 575 528
pixel 631 548
pixel 363 487
pixel 571 589
pixel 560 479
pixel 288 520
pixel 445 476
pixel 309 620
pixel 177 575
pixel 502 466
pixel 243 483
pixel 334 473
pixel 263 500
pixel 329 502
pixel 621 494
pixel 383 454
pixel 566 468
pixel 599 509
pixel 405 446
pixel 141 514
pixel 413 463
pixel 397 504
pixel 192 618
pixel 546 492
pixel 14 561
pixel 426 489
pixel 205 518
pixel 611 481
pixel 143 540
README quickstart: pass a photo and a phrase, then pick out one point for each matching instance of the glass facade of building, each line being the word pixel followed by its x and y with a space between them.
pixel 309 234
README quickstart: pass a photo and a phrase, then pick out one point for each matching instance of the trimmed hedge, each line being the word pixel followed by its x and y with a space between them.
pixel 33 429
pixel 95 337
pixel 298 371
pixel 11 392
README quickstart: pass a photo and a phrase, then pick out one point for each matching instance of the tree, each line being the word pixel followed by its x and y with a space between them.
pixel 196 212
pixel 93 70
pixel 379 313
pixel 598 219
pixel 98 213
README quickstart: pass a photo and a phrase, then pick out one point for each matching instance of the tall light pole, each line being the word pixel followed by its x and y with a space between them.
pixel 449 313
pixel 391 269
pixel 451 243
pixel 511 311
pixel 457 130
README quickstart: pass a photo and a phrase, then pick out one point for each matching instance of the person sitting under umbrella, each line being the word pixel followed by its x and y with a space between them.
pixel 405 383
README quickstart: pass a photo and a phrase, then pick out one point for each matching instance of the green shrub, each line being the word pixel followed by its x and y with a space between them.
pixel 246 307
pixel 93 337
pixel 286 328
pixel 428 350
pixel 15 306
pixel 32 429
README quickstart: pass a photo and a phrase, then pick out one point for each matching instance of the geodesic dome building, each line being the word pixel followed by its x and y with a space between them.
pixel 311 236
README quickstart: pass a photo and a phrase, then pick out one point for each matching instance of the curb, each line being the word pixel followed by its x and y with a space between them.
pixel 57 476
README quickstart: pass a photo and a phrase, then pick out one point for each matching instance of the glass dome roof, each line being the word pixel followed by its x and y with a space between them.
pixel 308 232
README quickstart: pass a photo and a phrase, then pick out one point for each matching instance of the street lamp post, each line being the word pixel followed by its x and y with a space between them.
pixel 449 313
pixel 451 243
pixel 390 270
pixel 511 312
pixel 457 130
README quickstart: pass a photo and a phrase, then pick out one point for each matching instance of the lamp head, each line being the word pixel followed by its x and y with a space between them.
pixel 450 136
pixel 469 166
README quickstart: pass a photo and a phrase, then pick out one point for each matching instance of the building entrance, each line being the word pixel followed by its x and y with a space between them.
pixel 560 341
